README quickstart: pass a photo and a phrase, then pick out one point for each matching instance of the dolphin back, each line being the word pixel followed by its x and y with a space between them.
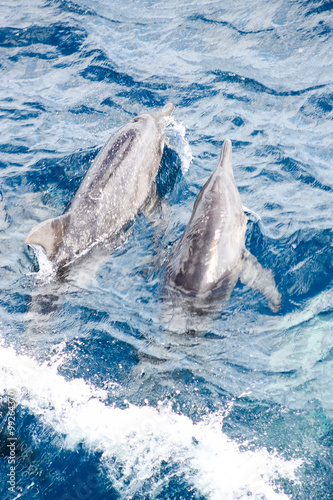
pixel 211 246
pixel 211 256
pixel 118 184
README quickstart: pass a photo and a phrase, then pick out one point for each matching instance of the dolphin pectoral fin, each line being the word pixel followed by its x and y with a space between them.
pixel 49 234
pixel 260 279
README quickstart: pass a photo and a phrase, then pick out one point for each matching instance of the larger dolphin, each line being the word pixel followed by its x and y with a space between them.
pixel 211 255
pixel 119 182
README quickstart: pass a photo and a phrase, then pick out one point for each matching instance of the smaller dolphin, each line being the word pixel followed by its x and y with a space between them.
pixel 211 255
pixel 119 183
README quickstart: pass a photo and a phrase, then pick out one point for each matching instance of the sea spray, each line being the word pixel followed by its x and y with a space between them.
pixel 138 440
pixel 175 134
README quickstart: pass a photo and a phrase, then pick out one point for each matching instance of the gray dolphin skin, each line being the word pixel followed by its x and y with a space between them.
pixel 118 184
pixel 211 255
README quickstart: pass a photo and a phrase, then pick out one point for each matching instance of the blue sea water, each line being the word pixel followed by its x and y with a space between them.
pixel 105 402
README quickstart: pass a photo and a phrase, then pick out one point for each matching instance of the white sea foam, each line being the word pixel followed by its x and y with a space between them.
pixel 176 136
pixel 46 268
pixel 137 441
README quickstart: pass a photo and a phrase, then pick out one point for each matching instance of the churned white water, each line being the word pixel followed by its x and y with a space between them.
pixel 141 439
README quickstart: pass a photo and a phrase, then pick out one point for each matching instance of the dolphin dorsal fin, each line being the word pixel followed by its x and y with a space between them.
pixel 260 279
pixel 49 234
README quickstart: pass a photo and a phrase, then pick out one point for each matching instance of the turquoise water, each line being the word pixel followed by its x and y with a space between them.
pixel 103 401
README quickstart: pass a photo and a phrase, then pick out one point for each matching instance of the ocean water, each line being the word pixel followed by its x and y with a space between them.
pixel 98 400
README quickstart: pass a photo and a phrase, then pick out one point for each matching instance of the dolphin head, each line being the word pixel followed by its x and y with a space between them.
pixel 159 118
pixel 167 110
pixel 162 115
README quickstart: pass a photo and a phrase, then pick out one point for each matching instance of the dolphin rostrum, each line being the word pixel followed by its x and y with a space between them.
pixel 211 255
pixel 118 184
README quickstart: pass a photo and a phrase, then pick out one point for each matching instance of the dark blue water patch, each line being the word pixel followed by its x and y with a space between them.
pixel 14 301
pixel 168 172
pixel 8 404
pixel 273 206
pixel 300 173
pixel 82 109
pixel 255 87
pixel 25 457
pixel 206 154
pixel 270 150
pixel 258 132
pixel 318 105
pixel 14 149
pixel 67 38
pixel 59 178
pixel 151 93
pixel 194 92
pixel 185 392
pixel 102 70
pixel 238 121
pixel 33 55
pixel 177 487
pixel 36 105
pixel 69 6
pixel 18 114
pixel 233 96
pixel 97 354
pixel 144 97
pixel 109 101
pixel 205 19
pixel 270 174
pixel 306 263
pixel 318 6
pixel 84 480
pixel 297 170
pixel 301 264
pixel 322 29
pixel 49 471
pixel 237 144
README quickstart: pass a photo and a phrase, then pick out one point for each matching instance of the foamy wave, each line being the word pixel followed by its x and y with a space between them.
pixel 46 268
pixel 176 136
pixel 138 440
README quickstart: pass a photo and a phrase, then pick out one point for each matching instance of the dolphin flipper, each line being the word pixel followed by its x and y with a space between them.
pixel 260 279
pixel 49 234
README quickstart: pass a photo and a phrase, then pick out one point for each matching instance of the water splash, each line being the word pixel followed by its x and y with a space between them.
pixel 137 441
pixel 176 135
pixel 45 267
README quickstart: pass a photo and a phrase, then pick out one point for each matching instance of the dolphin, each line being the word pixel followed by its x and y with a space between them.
pixel 211 256
pixel 119 183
